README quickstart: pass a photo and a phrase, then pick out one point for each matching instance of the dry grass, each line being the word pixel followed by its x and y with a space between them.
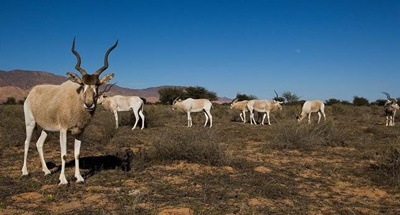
pixel 347 165
pixel 201 146
pixel 307 137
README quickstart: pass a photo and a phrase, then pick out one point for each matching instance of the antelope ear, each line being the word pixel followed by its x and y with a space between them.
pixel 74 78
pixel 106 78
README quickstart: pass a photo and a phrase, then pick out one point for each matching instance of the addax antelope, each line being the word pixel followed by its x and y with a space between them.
pixel 123 103
pixel 194 105
pixel 242 106
pixel 312 107
pixel 263 106
pixel 391 107
pixel 66 107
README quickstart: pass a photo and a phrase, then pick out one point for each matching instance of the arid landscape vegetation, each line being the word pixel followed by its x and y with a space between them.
pixel 69 66
pixel 349 164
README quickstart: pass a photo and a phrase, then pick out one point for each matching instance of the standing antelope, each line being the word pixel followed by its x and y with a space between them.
pixel 66 107
pixel 194 105
pixel 312 107
pixel 263 106
pixel 123 103
pixel 242 106
pixel 391 107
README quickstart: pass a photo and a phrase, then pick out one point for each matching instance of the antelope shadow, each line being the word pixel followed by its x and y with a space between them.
pixel 94 164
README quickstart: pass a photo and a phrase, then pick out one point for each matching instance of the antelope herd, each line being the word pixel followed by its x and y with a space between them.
pixel 71 106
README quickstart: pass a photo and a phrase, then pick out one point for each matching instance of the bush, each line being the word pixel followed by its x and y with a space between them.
pixel 12 126
pixel 307 136
pixel 168 95
pixel 290 97
pixel 242 96
pixel 332 101
pixel 360 101
pixel 197 146
pixel 387 170
pixel 157 115
pixel 339 109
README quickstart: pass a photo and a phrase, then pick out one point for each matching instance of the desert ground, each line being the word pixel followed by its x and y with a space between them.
pixel 349 164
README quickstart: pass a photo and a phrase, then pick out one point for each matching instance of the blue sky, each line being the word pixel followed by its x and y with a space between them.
pixel 316 49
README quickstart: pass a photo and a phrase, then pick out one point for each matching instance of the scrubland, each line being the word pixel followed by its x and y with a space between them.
pixel 349 164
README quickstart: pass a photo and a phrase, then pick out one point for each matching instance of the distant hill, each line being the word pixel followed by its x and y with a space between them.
pixel 27 79
pixel 17 84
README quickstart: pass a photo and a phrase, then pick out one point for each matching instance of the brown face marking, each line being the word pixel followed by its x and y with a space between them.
pixel 90 96
pixel 90 79
pixel 91 84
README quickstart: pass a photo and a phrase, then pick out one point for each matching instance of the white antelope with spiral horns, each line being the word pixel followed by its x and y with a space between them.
pixel 66 107
pixel 391 107
pixel 194 105
pixel 122 103
pixel 263 106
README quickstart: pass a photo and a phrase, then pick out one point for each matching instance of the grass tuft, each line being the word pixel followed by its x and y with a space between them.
pixel 193 145
pixel 387 170
pixel 302 136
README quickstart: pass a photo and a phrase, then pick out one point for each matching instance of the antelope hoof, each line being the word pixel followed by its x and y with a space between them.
pixel 63 182
pixel 47 172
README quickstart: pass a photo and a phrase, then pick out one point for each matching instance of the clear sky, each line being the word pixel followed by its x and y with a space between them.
pixel 317 49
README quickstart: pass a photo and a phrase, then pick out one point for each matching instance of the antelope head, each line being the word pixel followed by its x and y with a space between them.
pixel 174 103
pixel 89 84
pixel 278 104
pixel 103 93
pixel 389 99
pixel 276 101
pixel 233 102
pixel 300 115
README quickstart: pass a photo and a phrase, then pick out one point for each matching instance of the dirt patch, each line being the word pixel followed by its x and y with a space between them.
pixel 176 211
pixel 262 169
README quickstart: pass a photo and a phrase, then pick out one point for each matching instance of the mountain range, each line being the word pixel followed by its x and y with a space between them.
pixel 18 83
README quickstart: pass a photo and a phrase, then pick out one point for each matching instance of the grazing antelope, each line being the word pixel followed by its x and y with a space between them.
pixel 123 103
pixel 312 107
pixel 263 106
pixel 242 106
pixel 391 107
pixel 66 107
pixel 194 105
